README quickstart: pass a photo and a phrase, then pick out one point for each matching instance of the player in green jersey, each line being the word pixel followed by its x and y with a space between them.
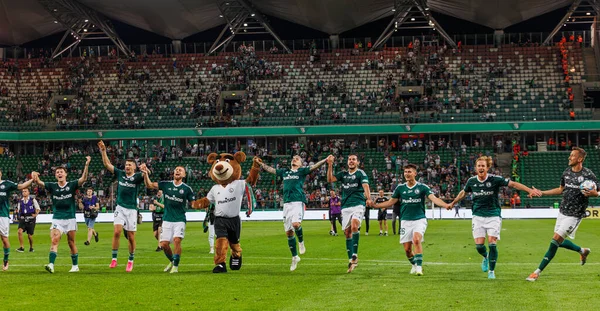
pixel 6 189
pixel 64 206
pixel 126 214
pixel 486 210
pixel 294 200
pixel 413 222
pixel 157 207
pixel 177 196
pixel 355 196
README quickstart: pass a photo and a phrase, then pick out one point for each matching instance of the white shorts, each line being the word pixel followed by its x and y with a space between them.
pixel 126 217
pixel 487 225
pixel 64 225
pixel 349 213
pixel 292 212
pixel 171 230
pixel 409 227
pixel 4 226
pixel 566 225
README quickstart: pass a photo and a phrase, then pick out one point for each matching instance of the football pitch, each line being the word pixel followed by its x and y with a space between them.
pixel 452 275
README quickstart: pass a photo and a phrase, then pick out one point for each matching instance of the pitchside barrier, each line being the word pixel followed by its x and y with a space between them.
pixel 437 213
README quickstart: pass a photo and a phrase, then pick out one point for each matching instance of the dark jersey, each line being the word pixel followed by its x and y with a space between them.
pixel 574 203
pixel 381 211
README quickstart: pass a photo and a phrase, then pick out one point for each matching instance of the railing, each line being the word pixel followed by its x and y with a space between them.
pixel 322 44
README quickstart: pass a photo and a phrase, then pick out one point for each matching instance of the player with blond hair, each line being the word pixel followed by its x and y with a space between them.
pixel 487 218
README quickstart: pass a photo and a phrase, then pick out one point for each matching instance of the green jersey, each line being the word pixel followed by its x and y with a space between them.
pixel 161 200
pixel 6 189
pixel 485 194
pixel 127 191
pixel 176 199
pixel 63 199
pixel 412 200
pixel 292 183
pixel 353 193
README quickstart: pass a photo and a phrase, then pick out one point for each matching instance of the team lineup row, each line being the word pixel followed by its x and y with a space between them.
pixel 226 197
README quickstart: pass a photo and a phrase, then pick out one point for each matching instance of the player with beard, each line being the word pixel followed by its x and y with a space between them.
pixel 487 218
pixel 177 196
pixel 572 209
pixel 294 201
pixel 355 196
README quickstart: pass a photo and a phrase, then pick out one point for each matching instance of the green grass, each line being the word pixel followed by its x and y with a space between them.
pixel 452 280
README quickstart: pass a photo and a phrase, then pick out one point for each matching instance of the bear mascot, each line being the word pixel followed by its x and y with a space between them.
pixel 227 196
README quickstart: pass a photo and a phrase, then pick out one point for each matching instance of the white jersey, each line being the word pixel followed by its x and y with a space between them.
pixel 228 199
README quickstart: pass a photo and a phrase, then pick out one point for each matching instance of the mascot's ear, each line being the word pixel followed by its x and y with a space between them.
pixel 211 158
pixel 240 157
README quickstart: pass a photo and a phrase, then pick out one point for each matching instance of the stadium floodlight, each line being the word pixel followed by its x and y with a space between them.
pixel 75 17
pixel 238 15
pixel 412 19
pixel 588 13
pixel 393 10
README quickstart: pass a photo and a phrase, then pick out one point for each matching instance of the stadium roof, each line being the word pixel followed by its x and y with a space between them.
pixel 22 21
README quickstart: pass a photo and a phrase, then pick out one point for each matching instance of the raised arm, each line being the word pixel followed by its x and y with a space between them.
pixel 439 202
pixel 84 175
pixel 105 159
pixel 330 177
pixel 38 181
pixel 146 173
pixel 520 186
pixel 318 164
pixel 29 182
pixel 386 204
pixel 265 167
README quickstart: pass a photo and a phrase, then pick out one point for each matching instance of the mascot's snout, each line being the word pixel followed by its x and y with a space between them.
pixel 222 170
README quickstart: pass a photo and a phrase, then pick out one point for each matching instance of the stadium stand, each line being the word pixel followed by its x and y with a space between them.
pixel 474 84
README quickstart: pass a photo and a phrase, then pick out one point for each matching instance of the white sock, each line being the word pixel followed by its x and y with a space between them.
pixel 537 271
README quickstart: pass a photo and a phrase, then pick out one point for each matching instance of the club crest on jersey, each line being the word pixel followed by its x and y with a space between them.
pixel 67 189
pixel 231 190
pixel 417 191
pixel 181 191
pixel 488 184
pixel 580 179
pixel 2 187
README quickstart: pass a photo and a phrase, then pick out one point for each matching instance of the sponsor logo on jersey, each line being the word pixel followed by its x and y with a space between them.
pixel 129 185
pixel 412 200
pixel 288 177
pixel 172 198
pixel 348 186
pixel 62 197
pixel 482 193
pixel 226 200
pixel 569 185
